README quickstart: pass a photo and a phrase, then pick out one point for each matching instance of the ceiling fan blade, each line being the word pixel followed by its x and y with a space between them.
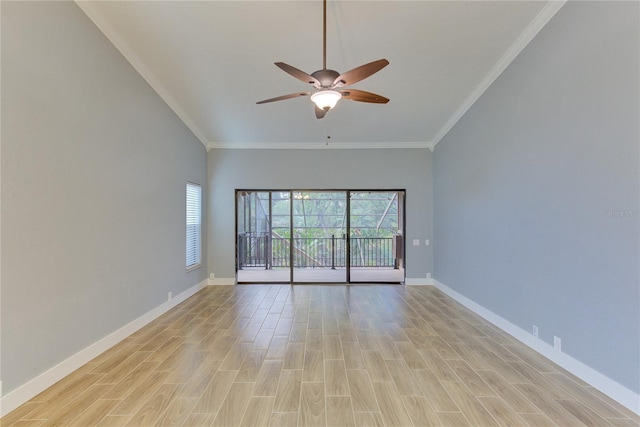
pixel 298 74
pixel 363 96
pixel 320 113
pixel 359 73
pixel 283 97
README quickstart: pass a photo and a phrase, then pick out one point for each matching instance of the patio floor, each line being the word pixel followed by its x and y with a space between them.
pixel 321 275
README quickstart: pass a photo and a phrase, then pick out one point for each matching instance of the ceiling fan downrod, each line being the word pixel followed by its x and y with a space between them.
pixel 324 34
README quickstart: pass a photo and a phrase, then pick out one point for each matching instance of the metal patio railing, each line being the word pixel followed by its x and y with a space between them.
pixel 263 250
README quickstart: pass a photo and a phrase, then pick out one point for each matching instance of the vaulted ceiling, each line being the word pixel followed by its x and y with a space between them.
pixel 212 60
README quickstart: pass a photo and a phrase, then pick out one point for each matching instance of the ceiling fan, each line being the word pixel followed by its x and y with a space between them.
pixel 329 83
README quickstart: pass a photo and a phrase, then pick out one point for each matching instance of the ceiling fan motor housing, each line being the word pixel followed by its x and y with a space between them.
pixel 325 77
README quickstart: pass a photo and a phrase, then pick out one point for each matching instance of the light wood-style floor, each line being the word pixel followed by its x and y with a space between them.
pixel 279 355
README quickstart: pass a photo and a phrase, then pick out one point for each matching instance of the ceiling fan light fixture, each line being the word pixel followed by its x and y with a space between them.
pixel 326 99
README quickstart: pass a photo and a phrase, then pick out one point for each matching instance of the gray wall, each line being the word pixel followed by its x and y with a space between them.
pixel 94 166
pixel 229 170
pixel 537 190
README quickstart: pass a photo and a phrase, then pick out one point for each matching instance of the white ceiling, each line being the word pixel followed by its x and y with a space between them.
pixel 212 60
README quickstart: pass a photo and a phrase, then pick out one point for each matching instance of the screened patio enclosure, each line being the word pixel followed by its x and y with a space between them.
pixel 332 236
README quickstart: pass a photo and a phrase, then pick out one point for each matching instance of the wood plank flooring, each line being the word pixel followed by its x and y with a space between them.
pixel 279 355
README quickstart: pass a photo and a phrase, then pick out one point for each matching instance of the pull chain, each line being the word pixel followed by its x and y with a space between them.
pixel 327 131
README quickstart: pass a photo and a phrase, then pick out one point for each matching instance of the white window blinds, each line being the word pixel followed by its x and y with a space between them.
pixel 194 207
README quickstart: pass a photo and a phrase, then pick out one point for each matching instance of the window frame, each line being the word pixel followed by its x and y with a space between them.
pixel 193 250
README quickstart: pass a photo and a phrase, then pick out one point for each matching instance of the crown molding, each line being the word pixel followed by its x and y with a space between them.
pixel 317 145
pixel 88 8
pixel 543 17
pixel 534 27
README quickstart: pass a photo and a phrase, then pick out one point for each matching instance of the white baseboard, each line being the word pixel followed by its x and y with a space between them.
pixel 45 380
pixel 614 390
pixel 410 281
pixel 222 281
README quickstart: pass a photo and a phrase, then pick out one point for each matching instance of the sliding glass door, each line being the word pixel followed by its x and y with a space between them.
pixel 334 236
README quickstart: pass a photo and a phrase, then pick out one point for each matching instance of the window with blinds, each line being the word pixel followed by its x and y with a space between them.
pixel 194 207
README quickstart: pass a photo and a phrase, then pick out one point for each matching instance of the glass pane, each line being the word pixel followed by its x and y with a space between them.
pixel 376 237
pixel 280 244
pixel 263 228
pixel 319 237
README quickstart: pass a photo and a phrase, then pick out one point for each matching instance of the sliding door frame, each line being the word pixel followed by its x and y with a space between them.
pixel 347 233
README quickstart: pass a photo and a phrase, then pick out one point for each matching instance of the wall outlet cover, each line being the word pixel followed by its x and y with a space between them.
pixel 416 242
pixel 557 343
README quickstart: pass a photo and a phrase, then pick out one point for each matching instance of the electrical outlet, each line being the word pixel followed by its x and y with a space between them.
pixel 416 242
pixel 557 343
pixel 169 296
pixel 428 275
pixel 426 242
pixel 212 276
pixel 535 331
